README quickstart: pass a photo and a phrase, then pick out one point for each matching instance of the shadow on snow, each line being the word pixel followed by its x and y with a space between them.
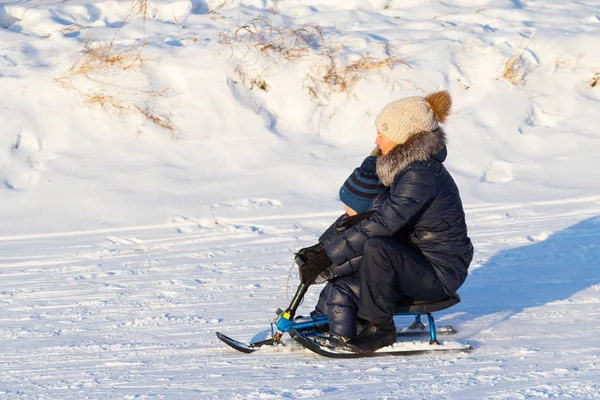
pixel 533 275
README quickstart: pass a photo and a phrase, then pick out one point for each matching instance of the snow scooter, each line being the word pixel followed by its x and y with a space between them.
pixel 306 331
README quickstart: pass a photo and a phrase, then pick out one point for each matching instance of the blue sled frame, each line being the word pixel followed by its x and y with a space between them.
pixel 284 322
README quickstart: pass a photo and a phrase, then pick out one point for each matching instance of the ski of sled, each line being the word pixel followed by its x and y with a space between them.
pixel 244 347
pixel 441 330
pixel 313 346
pixel 252 347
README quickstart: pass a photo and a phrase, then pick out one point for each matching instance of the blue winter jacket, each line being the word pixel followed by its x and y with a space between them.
pixel 421 208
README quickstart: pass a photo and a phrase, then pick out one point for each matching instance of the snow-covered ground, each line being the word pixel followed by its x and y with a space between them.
pixel 131 313
pixel 161 160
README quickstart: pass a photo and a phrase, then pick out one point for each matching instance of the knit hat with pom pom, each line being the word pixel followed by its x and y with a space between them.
pixel 402 119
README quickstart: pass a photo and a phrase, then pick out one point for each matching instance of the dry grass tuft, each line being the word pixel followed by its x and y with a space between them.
pixel 70 29
pixel 112 104
pixel 340 78
pixel 260 38
pixel 260 83
pixel 158 120
pixel 107 102
pixel 512 71
pixel 98 58
pixel 259 47
pixel 595 81
pixel 335 76
pixel 102 62
pixel 516 67
pixel 138 7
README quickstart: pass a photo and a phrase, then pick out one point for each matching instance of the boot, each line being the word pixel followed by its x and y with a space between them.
pixel 331 340
pixel 361 324
pixel 373 337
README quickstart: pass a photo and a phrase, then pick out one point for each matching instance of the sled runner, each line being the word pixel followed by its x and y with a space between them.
pixel 397 349
pixel 305 330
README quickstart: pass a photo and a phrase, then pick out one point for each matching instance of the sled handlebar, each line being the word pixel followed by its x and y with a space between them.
pixel 295 303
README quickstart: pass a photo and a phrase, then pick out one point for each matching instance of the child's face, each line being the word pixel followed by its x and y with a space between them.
pixel 349 211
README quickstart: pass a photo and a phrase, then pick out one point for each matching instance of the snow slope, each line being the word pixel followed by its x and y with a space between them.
pixel 161 160
pixel 78 130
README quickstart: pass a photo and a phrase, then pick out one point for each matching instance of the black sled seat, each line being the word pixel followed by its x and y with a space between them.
pixel 410 306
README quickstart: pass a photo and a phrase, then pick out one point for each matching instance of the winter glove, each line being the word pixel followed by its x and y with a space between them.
pixel 311 269
pixel 348 222
pixel 306 253
pixel 325 276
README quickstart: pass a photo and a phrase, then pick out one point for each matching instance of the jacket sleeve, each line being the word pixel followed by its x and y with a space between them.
pixel 347 268
pixel 331 232
pixel 409 193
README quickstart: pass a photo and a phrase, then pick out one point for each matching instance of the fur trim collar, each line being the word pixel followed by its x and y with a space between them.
pixel 420 147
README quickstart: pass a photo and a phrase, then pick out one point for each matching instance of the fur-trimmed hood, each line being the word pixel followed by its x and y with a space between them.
pixel 420 147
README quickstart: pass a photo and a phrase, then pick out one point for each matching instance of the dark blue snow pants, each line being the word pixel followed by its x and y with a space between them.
pixel 339 301
pixel 390 271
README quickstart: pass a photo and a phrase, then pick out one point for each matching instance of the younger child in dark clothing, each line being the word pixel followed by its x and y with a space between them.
pixel 339 299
